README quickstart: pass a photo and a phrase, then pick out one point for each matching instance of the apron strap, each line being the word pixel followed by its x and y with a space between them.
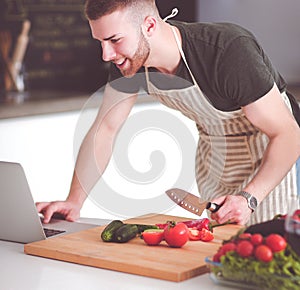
pixel 183 55
pixel 173 14
pixel 147 79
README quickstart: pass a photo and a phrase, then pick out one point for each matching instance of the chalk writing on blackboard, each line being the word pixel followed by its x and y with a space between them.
pixel 61 53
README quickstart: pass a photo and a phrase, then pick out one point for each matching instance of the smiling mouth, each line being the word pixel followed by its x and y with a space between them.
pixel 120 64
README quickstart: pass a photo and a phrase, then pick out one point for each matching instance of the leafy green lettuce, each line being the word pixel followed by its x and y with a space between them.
pixel 282 273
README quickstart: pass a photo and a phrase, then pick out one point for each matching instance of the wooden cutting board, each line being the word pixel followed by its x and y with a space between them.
pixel 135 257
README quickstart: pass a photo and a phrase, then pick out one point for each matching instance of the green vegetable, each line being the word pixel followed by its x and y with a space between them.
pixel 126 232
pixel 283 272
pixel 111 233
pixel 142 228
pixel 108 234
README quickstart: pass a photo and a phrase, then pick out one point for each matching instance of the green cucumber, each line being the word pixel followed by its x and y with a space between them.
pixel 108 234
pixel 117 231
pixel 142 228
pixel 125 233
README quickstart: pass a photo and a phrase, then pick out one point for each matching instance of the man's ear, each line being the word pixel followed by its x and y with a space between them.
pixel 149 25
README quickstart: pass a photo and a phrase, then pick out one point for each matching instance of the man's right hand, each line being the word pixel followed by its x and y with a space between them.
pixel 69 210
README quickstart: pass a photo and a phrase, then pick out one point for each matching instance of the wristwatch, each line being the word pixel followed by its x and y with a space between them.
pixel 252 201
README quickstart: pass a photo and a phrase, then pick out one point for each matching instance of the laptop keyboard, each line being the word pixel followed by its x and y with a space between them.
pixel 52 232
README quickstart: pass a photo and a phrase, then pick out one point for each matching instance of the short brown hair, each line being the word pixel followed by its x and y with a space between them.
pixel 94 9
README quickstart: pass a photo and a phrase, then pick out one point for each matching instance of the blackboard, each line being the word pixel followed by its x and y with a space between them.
pixel 61 54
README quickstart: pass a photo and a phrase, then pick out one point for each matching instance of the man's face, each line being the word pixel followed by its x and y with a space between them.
pixel 122 42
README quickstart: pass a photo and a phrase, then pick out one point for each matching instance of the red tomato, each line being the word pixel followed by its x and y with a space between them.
pixel 245 236
pixel 263 253
pixel 206 235
pixel 256 239
pixel 296 215
pixel 228 247
pixel 276 242
pixel 244 249
pixel 217 257
pixel 194 234
pixel 176 234
pixel 153 237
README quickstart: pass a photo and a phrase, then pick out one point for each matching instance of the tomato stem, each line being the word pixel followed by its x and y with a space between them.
pixel 171 224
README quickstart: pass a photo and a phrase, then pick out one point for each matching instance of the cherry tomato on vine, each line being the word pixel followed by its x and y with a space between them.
pixel 256 239
pixel 245 248
pixel 263 253
pixel 245 236
pixel 276 242
pixel 230 246
pixel 227 248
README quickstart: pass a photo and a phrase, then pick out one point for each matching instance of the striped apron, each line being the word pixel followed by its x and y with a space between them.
pixel 230 148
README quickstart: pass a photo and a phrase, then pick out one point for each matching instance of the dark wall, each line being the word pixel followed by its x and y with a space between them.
pixel 61 55
pixel 188 9
pixel 275 23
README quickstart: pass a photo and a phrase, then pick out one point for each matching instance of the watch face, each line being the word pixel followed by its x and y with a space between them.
pixel 253 202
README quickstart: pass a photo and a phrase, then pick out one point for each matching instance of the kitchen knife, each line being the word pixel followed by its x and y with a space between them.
pixel 190 201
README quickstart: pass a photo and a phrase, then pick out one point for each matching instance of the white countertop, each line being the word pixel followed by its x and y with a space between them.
pixel 47 102
pixel 19 271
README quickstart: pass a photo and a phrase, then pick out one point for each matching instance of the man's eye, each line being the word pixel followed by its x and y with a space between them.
pixel 115 40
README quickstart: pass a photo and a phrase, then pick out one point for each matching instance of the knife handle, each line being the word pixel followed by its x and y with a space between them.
pixel 213 207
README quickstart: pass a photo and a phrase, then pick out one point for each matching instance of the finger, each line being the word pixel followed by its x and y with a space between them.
pixel 223 219
pixel 71 218
pixel 219 200
pixel 222 210
pixel 41 205
pixel 48 213
pixel 234 216
pixel 223 214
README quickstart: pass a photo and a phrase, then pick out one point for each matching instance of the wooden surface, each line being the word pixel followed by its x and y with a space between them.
pixel 135 257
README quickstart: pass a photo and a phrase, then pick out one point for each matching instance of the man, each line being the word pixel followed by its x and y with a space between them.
pixel 249 138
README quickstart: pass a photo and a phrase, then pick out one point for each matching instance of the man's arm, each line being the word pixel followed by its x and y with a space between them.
pixel 270 115
pixel 94 154
pixel 284 141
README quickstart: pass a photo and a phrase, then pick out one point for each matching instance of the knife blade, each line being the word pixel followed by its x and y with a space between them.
pixel 190 202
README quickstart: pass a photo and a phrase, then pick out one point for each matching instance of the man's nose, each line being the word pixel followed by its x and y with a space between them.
pixel 108 52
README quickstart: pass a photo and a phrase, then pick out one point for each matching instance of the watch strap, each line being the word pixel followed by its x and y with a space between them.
pixel 251 200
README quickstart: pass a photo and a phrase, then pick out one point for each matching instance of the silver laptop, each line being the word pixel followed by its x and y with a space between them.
pixel 19 219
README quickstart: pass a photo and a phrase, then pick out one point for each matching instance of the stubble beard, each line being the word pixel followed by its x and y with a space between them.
pixel 138 59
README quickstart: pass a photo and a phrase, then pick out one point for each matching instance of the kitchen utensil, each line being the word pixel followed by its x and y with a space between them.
pixel 5 46
pixel 18 55
pixel 190 201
